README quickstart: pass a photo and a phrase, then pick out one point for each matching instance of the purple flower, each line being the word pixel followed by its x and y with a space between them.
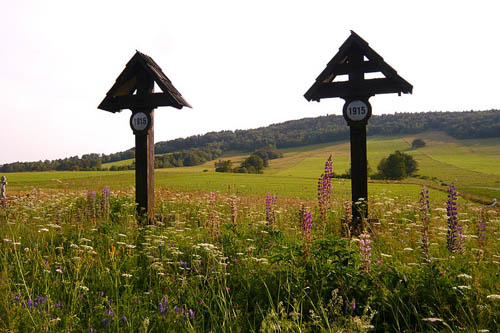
pixel 454 237
pixel 163 306
pixel 191 314
pixel 270 214
pixel 481 231
pixel 58 305
pixel 425 210
pixel 104 322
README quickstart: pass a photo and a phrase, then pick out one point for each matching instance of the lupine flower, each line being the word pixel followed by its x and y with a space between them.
pixel 481 231
pixel 325 189
pixel 270 215
pixel 234 209
pixel 306 224
pixel 346 220
pixel 454 238
pixel 191 314
pixel 424 211
pixel 163 306
pixel 365 250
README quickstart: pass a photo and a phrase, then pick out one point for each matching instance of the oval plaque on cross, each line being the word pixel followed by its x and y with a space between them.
pixel 357 111
pixel 140 122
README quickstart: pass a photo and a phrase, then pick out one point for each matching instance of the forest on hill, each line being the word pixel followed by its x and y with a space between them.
pixel 197 149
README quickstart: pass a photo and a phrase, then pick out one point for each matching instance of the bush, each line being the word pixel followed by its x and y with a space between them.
pixel 397 166
pixel 417 143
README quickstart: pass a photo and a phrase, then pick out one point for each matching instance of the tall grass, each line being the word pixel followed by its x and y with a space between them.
pixel 214 262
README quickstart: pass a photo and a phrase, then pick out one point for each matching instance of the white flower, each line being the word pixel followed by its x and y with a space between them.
pixel 432 320
pixel 43 229
pixel 84 288
pixel 127 275
pixel 464 276
pixel 74 246
pixel 493 296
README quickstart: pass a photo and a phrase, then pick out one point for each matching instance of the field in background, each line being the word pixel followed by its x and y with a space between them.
pixel 472 164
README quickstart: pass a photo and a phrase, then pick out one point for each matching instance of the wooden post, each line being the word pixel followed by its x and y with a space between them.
pixel 355 58
pixel 144 169
pixel 133 90
pixel 359 174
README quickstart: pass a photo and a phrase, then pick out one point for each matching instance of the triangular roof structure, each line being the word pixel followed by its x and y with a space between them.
pixel 141 67
pixel 356 58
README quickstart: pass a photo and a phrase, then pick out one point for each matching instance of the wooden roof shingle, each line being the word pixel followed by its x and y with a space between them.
pixel 343 64
pixel 140 66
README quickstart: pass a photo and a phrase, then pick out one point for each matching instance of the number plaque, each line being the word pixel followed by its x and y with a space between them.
pixel 357 111
pixel 140 121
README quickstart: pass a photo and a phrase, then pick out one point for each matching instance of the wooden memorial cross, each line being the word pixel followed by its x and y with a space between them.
pixel 133 90
pixel 355 58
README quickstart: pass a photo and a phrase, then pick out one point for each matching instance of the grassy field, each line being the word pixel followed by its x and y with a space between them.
pixel 257 253
pixel 472 164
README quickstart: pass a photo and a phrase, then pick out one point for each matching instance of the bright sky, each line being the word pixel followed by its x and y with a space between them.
pixel 240 64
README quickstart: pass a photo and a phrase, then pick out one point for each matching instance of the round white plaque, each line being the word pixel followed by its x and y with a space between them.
pixel 357 110
pixel 139 121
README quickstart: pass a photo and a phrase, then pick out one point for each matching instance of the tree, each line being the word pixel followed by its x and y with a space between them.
pixel 224 166
pixel 417 143
pixel 253 163
pixel 397 165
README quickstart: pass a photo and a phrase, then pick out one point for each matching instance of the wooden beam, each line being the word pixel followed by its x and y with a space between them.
pixel 362 88
pixel 142 102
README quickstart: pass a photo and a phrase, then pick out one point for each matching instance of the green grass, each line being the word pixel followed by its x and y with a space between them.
pixel 471 164
pixel 80 263
pixel 73 260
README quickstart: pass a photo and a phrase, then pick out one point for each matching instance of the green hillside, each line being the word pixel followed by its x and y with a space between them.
pixel 472 164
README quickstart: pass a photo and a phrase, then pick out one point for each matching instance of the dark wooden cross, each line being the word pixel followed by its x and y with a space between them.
pixel 354 59
pixel 133 90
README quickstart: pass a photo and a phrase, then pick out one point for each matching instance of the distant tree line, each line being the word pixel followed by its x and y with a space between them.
pixel 93 162
pixel 190 157
pixel 294 133
pixel 87 162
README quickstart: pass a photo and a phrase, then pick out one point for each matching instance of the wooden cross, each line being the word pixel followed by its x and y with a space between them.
pixel 133 90
pixel 356 58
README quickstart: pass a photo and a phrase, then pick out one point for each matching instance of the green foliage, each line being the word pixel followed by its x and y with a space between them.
pixel 417 143
pixel 268 153
pixel 253 164
pixel 224 166
pixel 397 166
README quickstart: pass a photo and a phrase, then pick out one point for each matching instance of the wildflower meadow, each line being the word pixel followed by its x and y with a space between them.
pixel 219 262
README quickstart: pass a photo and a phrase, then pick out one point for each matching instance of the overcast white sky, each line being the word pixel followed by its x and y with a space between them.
pixel 240 64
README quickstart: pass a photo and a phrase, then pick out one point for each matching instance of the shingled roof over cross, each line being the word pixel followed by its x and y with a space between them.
pixel 121 95
pixel 356 58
